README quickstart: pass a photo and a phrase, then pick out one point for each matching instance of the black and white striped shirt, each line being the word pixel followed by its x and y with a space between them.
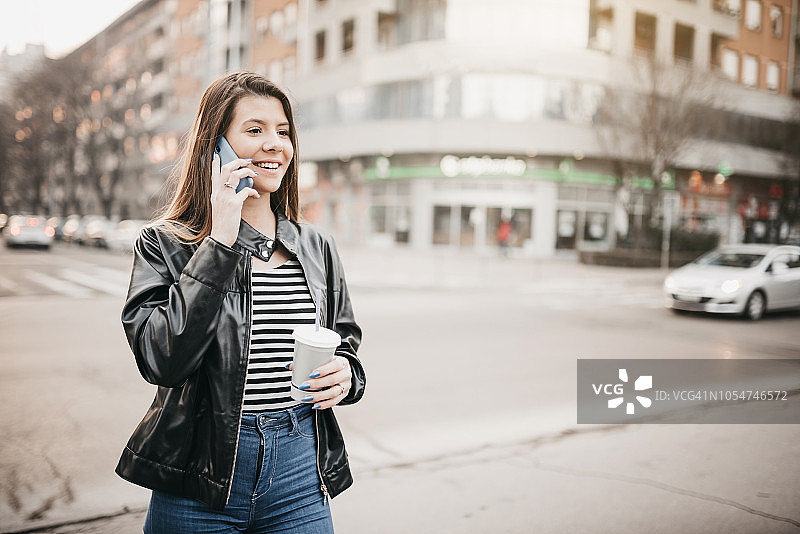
pixel 281 302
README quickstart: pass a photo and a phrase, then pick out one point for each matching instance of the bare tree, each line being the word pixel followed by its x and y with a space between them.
pixel 7 133
pixel 645 125
pixel 50 105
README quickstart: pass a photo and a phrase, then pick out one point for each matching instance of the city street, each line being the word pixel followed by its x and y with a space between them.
pixel 469 419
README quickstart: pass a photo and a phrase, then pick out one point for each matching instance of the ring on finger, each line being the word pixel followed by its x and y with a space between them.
pixel 344 392
pixel 228 184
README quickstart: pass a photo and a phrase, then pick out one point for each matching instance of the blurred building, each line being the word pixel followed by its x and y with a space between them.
pixel 763 54
pixel 150 68
pixel 430 122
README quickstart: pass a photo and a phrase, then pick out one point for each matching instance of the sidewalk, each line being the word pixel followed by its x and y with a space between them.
pixel 616 478
pixel 455 269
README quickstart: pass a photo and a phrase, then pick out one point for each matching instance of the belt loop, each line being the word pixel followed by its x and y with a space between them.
pixel 295 424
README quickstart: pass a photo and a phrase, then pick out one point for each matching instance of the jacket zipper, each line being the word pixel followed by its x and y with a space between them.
pixel 249 311
pixel 322 485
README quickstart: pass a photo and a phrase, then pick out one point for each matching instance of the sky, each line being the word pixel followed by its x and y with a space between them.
pixel 60 25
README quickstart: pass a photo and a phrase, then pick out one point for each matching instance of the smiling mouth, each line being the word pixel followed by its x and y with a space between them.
pixel 268 165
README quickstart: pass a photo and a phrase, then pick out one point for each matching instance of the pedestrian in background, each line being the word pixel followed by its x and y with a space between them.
pixel 219 282
pixel 504 236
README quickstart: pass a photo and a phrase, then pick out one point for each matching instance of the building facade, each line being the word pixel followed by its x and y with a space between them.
pixel 449 119
pixel 431 123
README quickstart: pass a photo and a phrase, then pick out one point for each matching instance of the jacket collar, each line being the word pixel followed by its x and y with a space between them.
pixel 251 239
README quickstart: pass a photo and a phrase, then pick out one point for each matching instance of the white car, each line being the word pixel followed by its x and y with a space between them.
pixel 749 280
pixel 29 231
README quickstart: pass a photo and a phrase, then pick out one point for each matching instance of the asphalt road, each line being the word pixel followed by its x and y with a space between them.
pixel 463 354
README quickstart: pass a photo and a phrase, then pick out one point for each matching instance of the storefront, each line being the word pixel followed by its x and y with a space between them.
pixel 529 207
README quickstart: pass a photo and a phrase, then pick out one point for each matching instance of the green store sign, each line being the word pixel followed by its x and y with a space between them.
pixel 473 167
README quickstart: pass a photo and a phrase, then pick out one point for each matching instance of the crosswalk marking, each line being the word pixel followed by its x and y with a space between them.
pixel 95 282
pixel 58 285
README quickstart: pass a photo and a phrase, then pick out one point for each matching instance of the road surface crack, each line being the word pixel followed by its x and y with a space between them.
pixel 664 487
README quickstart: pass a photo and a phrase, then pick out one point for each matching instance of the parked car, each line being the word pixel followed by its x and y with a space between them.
pixel 97 232
pixel 28 230
pixel 749 280
pixel 124 234
pixel 76 229
pixel 58 225
pixel 70 227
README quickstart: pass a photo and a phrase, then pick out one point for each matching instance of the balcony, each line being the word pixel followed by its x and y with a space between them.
pixel 728 7
pixel 728 14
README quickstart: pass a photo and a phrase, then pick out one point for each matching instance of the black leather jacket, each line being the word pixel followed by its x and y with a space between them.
pixel 187 318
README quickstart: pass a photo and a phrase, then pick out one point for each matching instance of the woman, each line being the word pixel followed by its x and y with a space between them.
pixel 219 281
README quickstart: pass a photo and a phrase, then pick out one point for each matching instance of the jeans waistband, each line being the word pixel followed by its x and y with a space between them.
pixel 278 418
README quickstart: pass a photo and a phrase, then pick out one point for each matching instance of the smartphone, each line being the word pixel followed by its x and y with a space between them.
pixel 226 155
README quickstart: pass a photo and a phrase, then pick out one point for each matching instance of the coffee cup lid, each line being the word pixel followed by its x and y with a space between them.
pixel 322 338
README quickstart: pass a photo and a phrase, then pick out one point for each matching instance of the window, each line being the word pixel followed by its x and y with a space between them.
pixel 276 24
pixel 645 33
pixel 716 48
pixel 752 15
pixel 420 20
pixel 776 21
pixel 262 25
pixel 595 226
pixel 750 71
pixel 684 43
pixel 441 225
pixel 773 76
pixel 386 30
pixel 319 46
pixel 730 64
pixel 348 31
pixel 276 71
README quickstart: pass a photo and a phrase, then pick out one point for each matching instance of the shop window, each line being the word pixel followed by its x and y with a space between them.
pixel 595 227
pixel 470 216
pixel 750 71
pixel 566 223
pixel 773 76
pixel 348 35
pixel 752 15
pixel 377 218
pixel 441 225
pixel 512 225
pixel 402 224
pixel 776 21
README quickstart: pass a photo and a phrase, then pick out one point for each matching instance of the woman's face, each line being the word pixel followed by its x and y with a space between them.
pixel 260 130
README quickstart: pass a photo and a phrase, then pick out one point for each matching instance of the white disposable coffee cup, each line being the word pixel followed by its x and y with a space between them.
pixel 312 348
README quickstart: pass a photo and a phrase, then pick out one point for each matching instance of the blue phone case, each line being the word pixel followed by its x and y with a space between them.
pixel 226 155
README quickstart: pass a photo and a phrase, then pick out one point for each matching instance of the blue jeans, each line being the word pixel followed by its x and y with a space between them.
pixel 276 487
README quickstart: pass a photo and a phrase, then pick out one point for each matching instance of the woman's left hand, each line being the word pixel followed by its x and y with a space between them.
pixel 333 379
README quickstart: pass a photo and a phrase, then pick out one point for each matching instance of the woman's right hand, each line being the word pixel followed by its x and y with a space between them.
pixel 226 203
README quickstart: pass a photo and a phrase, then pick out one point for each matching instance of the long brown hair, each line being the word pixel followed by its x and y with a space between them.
pixel 188 213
